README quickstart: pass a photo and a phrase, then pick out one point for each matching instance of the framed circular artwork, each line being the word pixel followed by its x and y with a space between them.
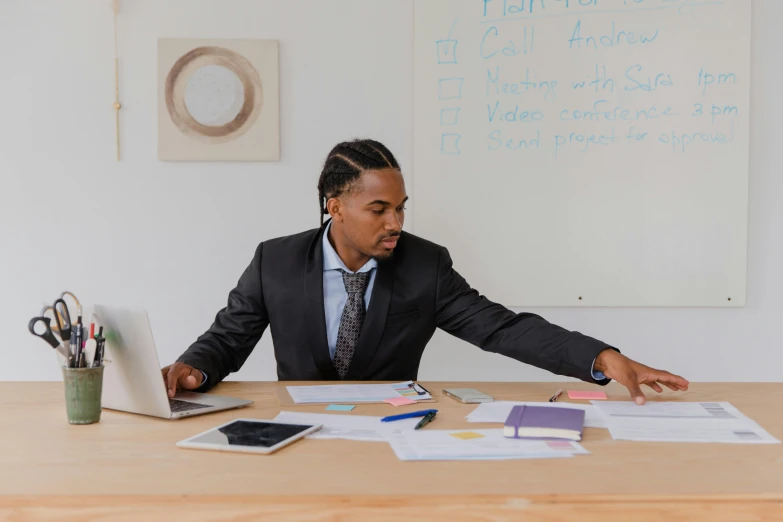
pixel 218 100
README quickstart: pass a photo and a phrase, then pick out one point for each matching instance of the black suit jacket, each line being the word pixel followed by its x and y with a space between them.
pixel 415 292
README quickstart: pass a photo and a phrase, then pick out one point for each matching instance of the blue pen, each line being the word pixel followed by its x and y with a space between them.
pixel 410 415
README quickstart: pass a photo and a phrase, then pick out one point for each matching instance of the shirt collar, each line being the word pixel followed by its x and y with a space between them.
pixel 333 262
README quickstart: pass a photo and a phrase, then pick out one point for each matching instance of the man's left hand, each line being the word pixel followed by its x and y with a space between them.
pixel 632 374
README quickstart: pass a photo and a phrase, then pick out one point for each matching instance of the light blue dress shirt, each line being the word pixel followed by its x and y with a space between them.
pixel 335 294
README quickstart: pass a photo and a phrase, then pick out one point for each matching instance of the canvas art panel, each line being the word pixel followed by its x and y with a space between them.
pixel 218 100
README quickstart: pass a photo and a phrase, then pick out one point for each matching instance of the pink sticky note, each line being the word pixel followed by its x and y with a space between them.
pixel 586 395
pixel 399 401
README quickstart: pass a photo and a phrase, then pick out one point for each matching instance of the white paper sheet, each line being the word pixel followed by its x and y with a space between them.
pixel 350 427
pixel 682 422
pixel 498 412
pixel 441 445
pixel 332 393
pixel 669 410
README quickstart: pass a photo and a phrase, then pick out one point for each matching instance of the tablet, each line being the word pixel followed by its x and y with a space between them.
pixel 249 436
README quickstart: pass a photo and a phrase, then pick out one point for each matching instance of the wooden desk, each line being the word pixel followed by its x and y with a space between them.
pixel 127 466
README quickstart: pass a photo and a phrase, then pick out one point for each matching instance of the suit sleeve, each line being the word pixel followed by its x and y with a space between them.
pixel 526 337
pixel 237 329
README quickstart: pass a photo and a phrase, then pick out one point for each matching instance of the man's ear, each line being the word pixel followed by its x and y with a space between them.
pixel 334 206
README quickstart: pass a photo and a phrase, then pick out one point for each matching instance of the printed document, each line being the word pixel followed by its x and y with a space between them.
pixel 350 427
pixel 482 445
pixel 682 422
pixel 334 393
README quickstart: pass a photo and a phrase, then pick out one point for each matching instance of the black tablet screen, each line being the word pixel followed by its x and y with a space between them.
pixel 246 433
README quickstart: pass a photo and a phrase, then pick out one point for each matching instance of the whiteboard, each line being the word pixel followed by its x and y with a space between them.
pixel 585 152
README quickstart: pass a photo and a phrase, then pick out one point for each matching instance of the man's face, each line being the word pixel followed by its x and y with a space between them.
pixel 372 214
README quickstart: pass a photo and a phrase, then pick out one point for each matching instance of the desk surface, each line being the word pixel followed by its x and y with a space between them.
pixel 136 456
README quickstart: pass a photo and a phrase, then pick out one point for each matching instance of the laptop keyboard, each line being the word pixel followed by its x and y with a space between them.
pixel 179 406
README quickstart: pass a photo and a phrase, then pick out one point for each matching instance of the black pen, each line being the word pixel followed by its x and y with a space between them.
pixel 99 350
pixel 415 385
pixel 427 418
pixel 72 349
pixel 79 332
pixel 103 349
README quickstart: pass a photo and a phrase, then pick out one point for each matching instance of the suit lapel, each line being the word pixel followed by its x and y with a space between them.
pixel 314 308
pixel 374 321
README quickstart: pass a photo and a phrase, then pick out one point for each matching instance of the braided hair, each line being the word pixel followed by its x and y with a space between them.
pixel 345 164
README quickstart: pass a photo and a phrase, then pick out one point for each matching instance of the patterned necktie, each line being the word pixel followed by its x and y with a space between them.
pixel 351 320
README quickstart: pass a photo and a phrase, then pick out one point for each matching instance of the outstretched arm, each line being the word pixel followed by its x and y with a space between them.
pixel 529 338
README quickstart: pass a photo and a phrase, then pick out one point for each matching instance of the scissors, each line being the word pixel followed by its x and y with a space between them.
pixel 75 301
pixel 47 335
pixel 62 318
pixel 45 313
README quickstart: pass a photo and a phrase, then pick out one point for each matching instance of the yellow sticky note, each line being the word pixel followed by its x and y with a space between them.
pixel 467 435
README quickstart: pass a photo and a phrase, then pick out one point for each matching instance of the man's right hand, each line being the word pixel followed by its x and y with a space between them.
pixel 180 376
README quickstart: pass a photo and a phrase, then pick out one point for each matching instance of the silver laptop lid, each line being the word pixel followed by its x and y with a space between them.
pixel 132 381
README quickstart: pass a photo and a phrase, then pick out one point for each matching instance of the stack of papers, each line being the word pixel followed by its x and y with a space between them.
pixel 682 422
pixel 498 412
pixel 480 445
pixel 332 393
pixel 653 422
pixel 410 444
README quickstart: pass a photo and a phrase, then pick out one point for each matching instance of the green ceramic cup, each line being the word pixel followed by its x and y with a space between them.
pixel 83 388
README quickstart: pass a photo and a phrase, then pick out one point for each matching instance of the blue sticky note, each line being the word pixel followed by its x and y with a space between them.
pixel 340 407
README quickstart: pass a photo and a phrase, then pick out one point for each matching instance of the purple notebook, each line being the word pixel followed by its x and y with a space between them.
pixel 540 422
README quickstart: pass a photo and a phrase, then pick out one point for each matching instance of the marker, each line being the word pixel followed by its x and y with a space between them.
pixel 410 415
pixel 90 347
pixel 92 327
pixel 557 394
pixel 427 418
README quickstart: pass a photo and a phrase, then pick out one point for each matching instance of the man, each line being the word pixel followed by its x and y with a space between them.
pixel 358 299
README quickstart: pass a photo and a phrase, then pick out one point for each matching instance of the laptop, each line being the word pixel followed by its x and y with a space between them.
pixel 132 380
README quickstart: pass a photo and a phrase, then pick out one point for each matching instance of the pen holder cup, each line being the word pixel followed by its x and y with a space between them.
pixel 83 387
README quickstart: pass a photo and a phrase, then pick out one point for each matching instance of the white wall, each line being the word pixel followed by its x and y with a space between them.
pixel 174 237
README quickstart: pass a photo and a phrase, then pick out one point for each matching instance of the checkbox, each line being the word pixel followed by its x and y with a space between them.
pixel 449 116
pixel 450 88
pixel 447 51
pixel 449 143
